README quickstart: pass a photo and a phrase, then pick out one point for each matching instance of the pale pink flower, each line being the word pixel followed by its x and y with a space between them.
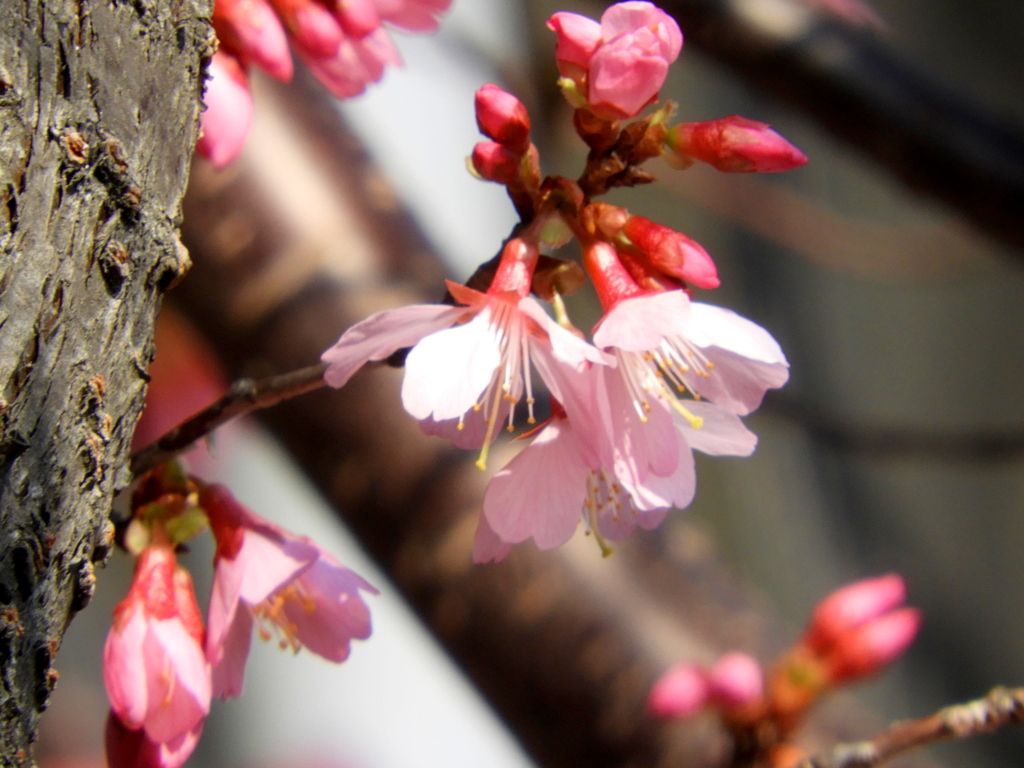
pixel 134 749
pixel 476 370
pixel 154 668
pixel 283 583
pixel 669 347
pixel 623 60
pixel 597 461
pixel 226 121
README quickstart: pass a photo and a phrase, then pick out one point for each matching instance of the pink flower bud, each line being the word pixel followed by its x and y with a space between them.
pixel 251 29
pixel 672 252
pixel 502 117
pixel 736 680
pixel 679 693
pixel 873 645
pixel 734 145
pixel 848 608
pixel 314 31
pixel 357 17
pixel 623 61
pixel 228 115
pixel 495 162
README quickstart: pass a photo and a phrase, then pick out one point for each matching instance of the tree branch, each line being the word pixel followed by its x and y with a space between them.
pixel 1000 707
pixel 244 396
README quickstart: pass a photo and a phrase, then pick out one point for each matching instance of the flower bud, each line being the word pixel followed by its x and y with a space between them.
pixel 735 145
pixel 251 29
pixel 848 608
pixel 494 162
pixel 226 121
pixel 672 252
pixel 502 117
pixel 736 680
pixel 357 17
pixel 314 30
pixel 873 645
pixel 679 693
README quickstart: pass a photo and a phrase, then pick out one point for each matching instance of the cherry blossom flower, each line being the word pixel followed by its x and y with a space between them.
pixel 154 668
pixel 470 375
pixel 619 64
pixel 595 460
pixel 282 583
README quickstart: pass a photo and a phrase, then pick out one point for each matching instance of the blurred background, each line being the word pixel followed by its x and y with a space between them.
pixel 889 268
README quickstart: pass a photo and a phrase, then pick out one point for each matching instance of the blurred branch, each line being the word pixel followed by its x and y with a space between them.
pixel 1001 707
pixel 860 88
pixel 245 396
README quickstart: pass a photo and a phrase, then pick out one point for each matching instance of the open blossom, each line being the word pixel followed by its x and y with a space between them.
pixel 154 668
pixel 465 377
pixel 596 461
pixel 282 583
pixel 620 63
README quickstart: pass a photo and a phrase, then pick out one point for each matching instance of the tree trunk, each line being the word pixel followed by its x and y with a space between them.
pixel 98 108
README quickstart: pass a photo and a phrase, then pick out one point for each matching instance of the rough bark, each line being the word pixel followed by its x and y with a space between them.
pixel 98 109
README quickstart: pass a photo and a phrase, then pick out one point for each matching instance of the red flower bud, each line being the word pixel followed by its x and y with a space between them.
pixel 679 693
pixel 495 163
pixel 672 252
pixel 502 117
pixel 873 645
pixel 735 144
pixel 848 608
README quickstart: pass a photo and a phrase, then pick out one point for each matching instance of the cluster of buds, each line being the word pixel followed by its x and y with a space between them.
pixel 662 375
pixel 161 664
pixel 854 632
pixel 345 44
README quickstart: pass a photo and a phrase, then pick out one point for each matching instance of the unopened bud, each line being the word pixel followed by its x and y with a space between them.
pixel 735 144
pixel 495 163
pixel 357 17
pixel 850 607
pixel 672 252
pixel 502 117
pixel 873 645
pixel 314 30
pixel 679 693
pixel 736 680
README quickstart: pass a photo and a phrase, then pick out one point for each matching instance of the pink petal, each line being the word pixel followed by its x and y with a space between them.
pixel 315 32
pixel 721 434
pixel 657 493
pixel 474 428
pixel 539 493
pixel 626 74
pixel 643 322
pixel 270 563
pixel 337 613
pixel 252 28
pixel 124 669
pixel 723 328
pixel 228 654
pixel 379 335
pixel 566 346
pixel 133 749
pixel 358 17
pixel 413 15
pixel 578 38
pixel 624 18
pixel 448 371
pixel 487 547
pixel 178 679
pixel 228 115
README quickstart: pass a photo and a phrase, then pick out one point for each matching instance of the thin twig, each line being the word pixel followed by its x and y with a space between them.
pixel 1000 707
pixel 244 396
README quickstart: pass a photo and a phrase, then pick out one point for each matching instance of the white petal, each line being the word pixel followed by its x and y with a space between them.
pixel 723 328
pixel 566 345
pixel 448 371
